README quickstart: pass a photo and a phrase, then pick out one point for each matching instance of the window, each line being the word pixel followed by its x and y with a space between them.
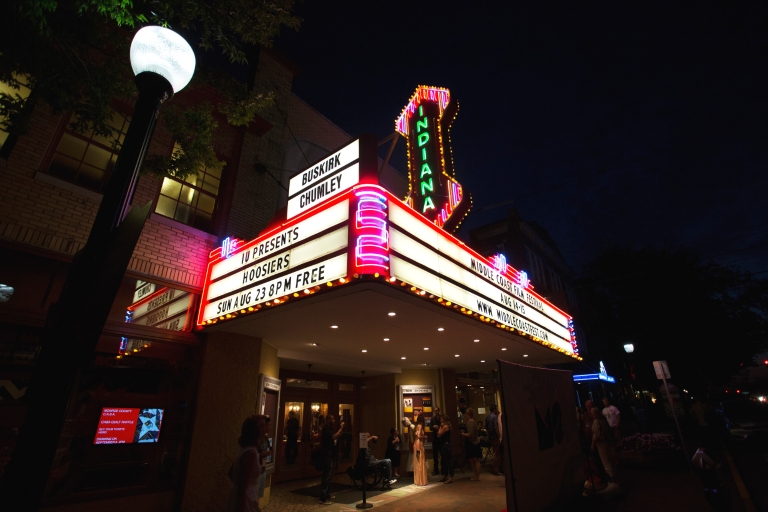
pixel 554 280
pixel 87 159
pixel 190 201
pixel 22 92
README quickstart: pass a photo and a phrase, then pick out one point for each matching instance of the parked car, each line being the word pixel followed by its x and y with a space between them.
pixel 745 419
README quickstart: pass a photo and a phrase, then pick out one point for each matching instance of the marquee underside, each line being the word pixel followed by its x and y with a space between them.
pixel 361 312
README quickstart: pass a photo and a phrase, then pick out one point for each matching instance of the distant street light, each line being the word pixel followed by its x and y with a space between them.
pixel 163 63
pixel 629 348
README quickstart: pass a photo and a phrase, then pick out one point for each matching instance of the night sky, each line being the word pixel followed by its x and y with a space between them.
pixel 639 125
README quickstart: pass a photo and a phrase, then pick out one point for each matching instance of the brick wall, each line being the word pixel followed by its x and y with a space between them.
pixel 254 201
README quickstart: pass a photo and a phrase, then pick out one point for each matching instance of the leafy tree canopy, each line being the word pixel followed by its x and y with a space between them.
pixel 73 54
pixel 707 321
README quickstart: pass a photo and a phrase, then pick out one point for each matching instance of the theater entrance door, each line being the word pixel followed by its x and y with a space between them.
pixel 302 415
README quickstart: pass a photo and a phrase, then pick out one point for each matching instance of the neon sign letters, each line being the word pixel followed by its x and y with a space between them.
pixel 433 191
pixel 372 246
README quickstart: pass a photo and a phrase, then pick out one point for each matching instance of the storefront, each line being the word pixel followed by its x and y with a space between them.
pixel 353 279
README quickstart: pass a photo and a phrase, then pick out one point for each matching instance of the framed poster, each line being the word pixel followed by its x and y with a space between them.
pixel 415 401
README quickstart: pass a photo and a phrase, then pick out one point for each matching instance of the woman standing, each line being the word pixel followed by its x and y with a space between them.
pixel 393 450
pixel 473 444
pixel 600 433
pixel 444 433
pixel 246 469
pixel 419 454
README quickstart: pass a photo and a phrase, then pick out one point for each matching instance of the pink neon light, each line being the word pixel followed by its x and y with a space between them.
pixel 423 92
pixel 372 246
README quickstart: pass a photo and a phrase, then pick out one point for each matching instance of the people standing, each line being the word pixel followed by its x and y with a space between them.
pixel 613 416
pixel 600 443
pixel 406 446
pixel 407 423
pixel 393 450
pixel 492 427
pixel 292 428
pixel 246 469
pixel 330 452
pixel 444 434
pixel 265 451
pixel 472 441
pixel 420 475
pixel 434 425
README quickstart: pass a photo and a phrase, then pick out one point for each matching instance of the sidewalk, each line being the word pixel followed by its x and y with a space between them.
pixel 660 490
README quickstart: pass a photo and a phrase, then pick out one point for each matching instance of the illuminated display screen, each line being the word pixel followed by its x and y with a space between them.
pixel 121 425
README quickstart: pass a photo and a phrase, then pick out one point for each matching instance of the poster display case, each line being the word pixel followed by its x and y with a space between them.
pixel 269 401
pixel 417 400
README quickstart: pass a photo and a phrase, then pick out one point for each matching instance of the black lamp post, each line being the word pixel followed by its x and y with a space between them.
pixel 163 63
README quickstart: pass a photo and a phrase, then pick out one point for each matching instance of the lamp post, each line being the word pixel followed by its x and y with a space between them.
pixel 163 63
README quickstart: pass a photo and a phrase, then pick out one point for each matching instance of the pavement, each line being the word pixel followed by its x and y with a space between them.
pixel 672 489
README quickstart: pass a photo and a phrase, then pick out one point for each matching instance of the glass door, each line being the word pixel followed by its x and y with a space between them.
pixel 302 424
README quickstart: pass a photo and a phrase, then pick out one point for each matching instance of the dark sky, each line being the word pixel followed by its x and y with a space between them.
pixel 606 123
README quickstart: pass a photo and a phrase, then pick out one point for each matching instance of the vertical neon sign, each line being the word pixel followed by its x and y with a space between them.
pixel 372 244
pixel 433 190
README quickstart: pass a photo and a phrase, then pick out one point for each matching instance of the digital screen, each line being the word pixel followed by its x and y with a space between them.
pixel 119 425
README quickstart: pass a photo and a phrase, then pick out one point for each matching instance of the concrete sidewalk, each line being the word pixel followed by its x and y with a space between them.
pixel 670 489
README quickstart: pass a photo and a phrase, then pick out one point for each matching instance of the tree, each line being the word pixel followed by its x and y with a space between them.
pixel 73 55
pixel 707 321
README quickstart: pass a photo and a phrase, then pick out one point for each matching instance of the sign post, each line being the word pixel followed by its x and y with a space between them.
pixel 662 372
pixel 362 464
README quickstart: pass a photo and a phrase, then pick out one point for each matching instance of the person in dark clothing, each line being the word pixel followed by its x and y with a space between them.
pixel 384 465
pixel 292 428
pixel 492 427
pixel 393 449
pixel 434 426
pixel 446 450
pixel 330 452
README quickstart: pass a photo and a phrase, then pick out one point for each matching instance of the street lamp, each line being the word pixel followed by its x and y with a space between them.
pixel 629 348
pixel 164 64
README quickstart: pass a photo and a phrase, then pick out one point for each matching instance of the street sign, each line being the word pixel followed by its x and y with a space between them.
pixel 662 370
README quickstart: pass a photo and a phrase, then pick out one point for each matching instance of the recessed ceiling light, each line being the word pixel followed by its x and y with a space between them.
pixel 314 344
pixel 525 355
pixel 402 358
pixel 503 349
pixel 440 329
pixel 334 327
pixel 426 348
pixel 482 387
pixel 477 341
pixel 482 361
pixel 457 355
pixel 365 350
pixel 386 339
pixel 391 313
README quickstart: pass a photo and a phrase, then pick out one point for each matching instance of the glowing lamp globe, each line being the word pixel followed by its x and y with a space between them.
pixel 164 52
pixel 629 348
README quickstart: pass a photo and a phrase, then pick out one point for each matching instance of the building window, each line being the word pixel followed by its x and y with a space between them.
pixel 10 90
pixel 87 159
pixel 554 280
pixel 190 201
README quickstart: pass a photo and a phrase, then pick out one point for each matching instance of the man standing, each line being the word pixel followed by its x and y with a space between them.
pixel 330 453
pixel 434 426
pixel 492 427
pixel 613 416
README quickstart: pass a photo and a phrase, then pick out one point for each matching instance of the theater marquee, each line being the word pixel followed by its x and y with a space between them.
pixel 341 227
